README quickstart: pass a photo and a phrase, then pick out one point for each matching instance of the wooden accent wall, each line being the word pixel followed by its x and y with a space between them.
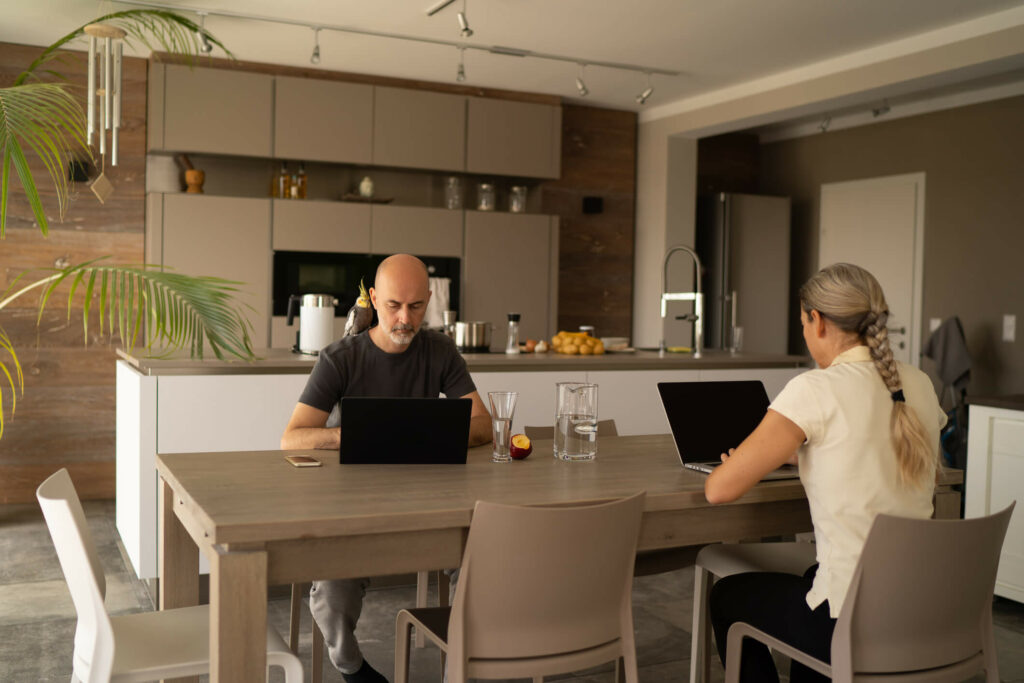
pixel 66 416
pixel 595 282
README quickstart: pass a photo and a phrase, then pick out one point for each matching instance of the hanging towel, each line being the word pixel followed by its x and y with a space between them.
pixel 439 298
pixel 947 347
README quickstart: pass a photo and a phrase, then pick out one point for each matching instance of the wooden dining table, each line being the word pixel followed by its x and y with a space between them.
pixel 260 521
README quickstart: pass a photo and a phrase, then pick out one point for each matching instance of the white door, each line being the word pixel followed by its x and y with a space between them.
pixel 878 224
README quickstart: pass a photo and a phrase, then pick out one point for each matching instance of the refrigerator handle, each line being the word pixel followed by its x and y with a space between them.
pixel 732 313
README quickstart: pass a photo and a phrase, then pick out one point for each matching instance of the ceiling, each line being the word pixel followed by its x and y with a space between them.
pixel 715 45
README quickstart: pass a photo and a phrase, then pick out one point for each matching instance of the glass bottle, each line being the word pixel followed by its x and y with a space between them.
pixel 283 183
pixel 298 188
pixel 485 197
pixel 512 345
pixel 517 199
pixel 453 193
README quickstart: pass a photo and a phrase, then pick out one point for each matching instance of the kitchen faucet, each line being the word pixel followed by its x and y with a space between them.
pixel 697 317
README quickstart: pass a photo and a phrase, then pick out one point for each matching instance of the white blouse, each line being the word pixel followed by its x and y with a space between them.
pixel 848 464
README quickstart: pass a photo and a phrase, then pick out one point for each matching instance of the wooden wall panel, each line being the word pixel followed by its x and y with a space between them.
pixel 595 284
pixel 66 416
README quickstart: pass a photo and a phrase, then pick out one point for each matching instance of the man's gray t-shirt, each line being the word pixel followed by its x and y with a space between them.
pixel 355 366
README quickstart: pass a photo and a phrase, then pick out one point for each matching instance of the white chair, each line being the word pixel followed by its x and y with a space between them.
pixel 132 647
pixel 919 606
pixel 725 559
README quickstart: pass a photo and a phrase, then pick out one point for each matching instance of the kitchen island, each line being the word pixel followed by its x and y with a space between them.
pixel 180 405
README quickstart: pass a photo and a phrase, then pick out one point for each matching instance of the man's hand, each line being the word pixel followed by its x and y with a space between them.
pixel 306 430
pixel 479 421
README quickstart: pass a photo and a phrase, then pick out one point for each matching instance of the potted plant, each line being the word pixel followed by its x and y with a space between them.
pixel 167 310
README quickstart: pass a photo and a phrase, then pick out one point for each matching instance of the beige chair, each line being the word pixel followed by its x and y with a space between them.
pixel 542 591
pixel 919 607
pixel 725 559
pixel 132 647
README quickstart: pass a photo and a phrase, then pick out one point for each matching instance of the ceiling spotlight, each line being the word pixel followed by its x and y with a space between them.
pixel 315 57
pixel 204 43
pixel 825 123
pixel 881 110
pixel 464 30
pixel 642 97
pixel 460 75
pixel 438 6
pixel 581 87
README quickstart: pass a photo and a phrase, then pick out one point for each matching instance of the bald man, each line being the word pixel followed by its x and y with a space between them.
pixel 394 358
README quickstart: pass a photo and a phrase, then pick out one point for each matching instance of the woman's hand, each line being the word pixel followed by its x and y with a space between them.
pixel 771 445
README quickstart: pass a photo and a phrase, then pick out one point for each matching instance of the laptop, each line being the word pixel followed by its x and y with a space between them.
pixel 404 431
pixel 709 418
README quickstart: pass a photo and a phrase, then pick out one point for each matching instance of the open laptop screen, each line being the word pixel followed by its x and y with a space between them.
pixel 404 431
pixel 709 418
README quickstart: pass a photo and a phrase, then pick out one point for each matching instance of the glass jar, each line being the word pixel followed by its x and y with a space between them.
pixel 517 199
pixel 485 197
pixel 453 193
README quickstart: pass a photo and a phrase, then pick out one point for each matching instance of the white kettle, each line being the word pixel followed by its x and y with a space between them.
pixel 316 320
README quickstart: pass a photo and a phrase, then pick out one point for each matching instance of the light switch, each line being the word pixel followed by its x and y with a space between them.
pixel 933 324
pixel 1009 328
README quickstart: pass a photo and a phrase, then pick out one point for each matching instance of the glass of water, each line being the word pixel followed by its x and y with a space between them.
pixel 575 421
pixel 503 407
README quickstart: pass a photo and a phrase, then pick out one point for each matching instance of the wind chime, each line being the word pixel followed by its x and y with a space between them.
pixel 104 92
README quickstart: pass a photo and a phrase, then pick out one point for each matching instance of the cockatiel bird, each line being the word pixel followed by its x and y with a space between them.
pixel 360 315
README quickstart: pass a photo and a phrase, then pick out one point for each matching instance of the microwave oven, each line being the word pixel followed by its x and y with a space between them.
pixel 338 274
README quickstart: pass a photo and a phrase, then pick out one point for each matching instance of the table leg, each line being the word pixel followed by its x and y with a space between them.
pixel 238 615
pixel 179 562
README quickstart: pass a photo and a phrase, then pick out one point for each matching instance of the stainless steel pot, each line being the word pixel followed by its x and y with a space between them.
pixel 473 336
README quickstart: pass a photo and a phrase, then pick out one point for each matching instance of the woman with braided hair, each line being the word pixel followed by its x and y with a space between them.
pixel 864 430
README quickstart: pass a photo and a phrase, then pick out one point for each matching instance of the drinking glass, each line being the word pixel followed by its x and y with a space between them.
pixel 737 340
pixel 575 421
pixel 503 407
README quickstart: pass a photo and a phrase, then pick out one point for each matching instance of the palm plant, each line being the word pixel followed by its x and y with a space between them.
pixel 45 119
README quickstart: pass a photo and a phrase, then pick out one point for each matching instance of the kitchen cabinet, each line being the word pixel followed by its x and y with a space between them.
pixel 310 225
pixel 416 230
pixel 513 138
pixel 995 477
pixel 228 237
pixel 511 266
pixel 214 111
pixel 317 120
pixel 419 129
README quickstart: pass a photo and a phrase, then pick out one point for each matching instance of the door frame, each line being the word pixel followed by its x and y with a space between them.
pixel 917 293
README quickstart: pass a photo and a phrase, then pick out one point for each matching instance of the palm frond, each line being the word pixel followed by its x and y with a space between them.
pixel 153 28
pixel 46 119
pixel 16 387
pixel 175 311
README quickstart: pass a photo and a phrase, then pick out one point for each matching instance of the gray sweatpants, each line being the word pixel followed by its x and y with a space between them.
pixel 336 606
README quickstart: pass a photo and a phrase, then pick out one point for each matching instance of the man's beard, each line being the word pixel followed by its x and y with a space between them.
pixel 402 334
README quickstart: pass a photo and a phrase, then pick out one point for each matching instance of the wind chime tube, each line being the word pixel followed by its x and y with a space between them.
pixel 107 74
pixel 118 78
pixel 90 97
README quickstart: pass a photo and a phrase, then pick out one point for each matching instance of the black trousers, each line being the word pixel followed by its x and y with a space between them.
pixel 776 604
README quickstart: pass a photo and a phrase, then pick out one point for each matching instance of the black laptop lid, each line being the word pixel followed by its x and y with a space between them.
pixel 404 431
pixel 709 418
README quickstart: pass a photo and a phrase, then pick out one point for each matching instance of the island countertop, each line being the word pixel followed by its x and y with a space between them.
pixel 286 362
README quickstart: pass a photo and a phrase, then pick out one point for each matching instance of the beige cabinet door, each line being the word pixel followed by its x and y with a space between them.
pixel 318 120
pixel 217 111
pixel 419 129
pixel 513 138
pixel 416 230
pixel 227 237
pixel 310 225
pixel 511 267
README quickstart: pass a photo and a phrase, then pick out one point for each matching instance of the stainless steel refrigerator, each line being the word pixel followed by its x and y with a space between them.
pixel 743 244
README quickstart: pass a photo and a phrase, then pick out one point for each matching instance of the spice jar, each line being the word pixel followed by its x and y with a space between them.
pixel 485 197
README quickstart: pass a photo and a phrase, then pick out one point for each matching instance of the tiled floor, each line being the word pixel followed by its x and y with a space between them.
pixel 37 621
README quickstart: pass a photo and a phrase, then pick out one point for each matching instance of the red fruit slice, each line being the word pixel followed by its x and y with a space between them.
pixel 520 447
